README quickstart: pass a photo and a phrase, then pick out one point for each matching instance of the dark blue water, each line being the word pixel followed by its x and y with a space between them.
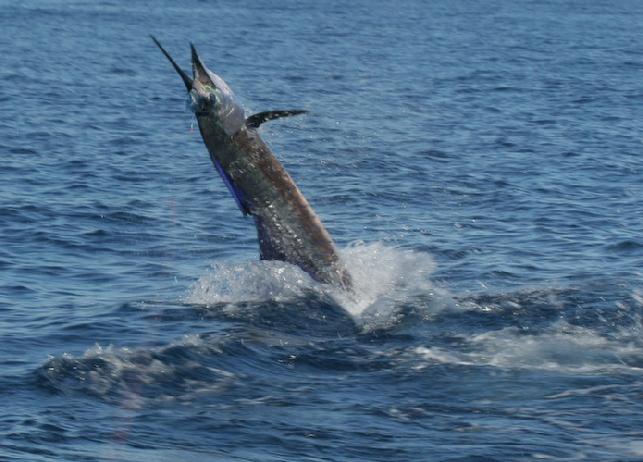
pixel 478 163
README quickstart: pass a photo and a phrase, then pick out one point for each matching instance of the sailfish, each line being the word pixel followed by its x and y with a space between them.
pixel 288 228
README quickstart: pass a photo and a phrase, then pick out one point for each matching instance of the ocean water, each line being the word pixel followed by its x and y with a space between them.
pixel 479 165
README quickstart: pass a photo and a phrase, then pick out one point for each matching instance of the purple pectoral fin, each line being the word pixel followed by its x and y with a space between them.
pixel 236 192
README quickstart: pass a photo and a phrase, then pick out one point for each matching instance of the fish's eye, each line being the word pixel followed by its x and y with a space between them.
pixel 199 104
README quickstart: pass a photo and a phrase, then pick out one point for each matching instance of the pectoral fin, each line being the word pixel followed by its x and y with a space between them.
pixel 236 192
pixel 257 119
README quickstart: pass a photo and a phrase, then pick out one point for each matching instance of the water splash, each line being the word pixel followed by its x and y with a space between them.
pixel 385 278
pixel 253 281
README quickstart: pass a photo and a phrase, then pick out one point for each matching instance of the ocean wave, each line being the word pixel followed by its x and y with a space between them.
pixel 134 376
pixel 563 348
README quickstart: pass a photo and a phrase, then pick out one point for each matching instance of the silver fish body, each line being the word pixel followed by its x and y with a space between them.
pixel 288 228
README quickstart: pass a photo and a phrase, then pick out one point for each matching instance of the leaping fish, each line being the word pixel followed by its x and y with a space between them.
pixel 287 226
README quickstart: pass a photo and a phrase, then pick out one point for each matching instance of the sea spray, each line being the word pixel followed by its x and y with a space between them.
pixel 385 279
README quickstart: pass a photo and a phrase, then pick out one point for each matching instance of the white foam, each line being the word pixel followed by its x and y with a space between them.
pixel 132 375
pixel 384 275
pixel 384 278
pixel 563 348
pixel 240 282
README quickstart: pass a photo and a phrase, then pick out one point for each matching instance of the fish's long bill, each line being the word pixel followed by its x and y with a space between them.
pixel 186 78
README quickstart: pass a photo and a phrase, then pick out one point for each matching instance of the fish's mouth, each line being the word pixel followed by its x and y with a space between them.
pixel 209 95
pixel 200 87
pixel 200 79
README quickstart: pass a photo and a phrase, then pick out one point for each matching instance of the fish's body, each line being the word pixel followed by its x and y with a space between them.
pixel 288 228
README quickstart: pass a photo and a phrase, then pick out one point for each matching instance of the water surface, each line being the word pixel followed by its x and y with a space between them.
pixel 479 166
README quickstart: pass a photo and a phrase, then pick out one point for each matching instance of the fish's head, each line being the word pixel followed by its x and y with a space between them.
pixel 210 98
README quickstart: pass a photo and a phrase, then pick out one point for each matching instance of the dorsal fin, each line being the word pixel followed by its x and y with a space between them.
pixel 260 117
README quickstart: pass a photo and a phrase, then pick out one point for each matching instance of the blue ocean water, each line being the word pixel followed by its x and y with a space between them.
pixel 478 163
